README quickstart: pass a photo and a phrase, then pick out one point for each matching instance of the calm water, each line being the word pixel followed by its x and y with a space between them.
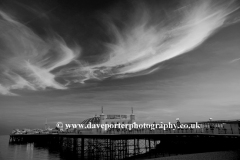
pixel 25 151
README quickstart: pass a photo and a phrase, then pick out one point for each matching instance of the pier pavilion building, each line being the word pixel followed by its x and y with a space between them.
pixel 105 119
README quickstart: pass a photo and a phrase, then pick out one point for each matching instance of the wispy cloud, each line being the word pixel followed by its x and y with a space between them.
pixel 5 91
pixel 152 39
pixel 30 61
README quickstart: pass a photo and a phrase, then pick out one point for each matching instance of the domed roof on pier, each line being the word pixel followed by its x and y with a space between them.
pixel 93 120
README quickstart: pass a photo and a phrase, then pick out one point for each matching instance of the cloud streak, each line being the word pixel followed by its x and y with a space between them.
pixel 153 38
pixel 5 91
pixel 27 59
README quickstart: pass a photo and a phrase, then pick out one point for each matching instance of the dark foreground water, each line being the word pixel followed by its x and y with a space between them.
pixel 25 151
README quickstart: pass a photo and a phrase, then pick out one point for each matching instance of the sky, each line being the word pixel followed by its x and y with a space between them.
pixel 63 60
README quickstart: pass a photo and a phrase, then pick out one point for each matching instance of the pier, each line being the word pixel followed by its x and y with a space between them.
pixel 133 144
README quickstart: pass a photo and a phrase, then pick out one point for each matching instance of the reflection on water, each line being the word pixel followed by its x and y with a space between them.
pixel 28 151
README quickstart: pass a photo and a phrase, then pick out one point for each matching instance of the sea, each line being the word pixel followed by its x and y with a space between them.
pixel 25 151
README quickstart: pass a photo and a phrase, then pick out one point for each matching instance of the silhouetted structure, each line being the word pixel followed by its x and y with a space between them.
pixel 140 143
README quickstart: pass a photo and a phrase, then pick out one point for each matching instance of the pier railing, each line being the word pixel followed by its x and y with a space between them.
pixel 233 131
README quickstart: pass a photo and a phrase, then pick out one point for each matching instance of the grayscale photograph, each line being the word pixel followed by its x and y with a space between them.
pixel 119 79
